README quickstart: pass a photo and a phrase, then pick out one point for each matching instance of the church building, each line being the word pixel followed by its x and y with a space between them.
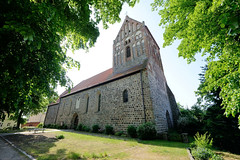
pixel 132 92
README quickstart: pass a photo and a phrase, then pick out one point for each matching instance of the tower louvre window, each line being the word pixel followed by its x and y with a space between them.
pixel 128 52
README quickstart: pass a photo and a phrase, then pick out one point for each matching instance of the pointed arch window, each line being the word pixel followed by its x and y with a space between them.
pixel 87 104
pixel 78 103
pixel 99 102
pixel 133 50
pixel 128 52
pixel 143 47
pixel 125 95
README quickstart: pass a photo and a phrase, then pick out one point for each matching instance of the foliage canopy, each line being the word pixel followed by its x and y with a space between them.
pixel 34 38
pixel 211 28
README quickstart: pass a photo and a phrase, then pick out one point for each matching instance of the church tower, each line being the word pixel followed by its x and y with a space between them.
pixel 133 45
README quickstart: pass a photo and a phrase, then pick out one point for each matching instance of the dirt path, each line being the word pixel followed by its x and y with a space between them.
pixel 7 152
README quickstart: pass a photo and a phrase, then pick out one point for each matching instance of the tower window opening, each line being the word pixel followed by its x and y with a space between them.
pixel 128 52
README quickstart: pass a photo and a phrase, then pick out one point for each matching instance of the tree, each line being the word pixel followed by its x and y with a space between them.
pixel 215 122
pixel 190 120
pixel 212 29
pixel 34 38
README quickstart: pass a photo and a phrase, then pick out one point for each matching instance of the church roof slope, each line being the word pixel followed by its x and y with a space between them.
pixel 101 78
pixel 90 82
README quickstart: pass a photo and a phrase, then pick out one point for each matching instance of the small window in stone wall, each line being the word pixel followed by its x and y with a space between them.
pixel 99 102
pixel 125 96
pixel 78 103
pixel 87 104
pixel 128 52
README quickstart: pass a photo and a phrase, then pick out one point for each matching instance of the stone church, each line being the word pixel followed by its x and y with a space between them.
pixel 132 92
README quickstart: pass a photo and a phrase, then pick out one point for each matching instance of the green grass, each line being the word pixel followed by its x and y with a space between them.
pixel 81 146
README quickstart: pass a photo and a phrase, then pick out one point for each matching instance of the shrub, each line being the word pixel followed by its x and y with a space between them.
pixel 203 141
pixel 64 126
pixel 75 127
pixel 60 136
pixel 174 136
pixel 101 130
pixel 201 148
pixel 79 127
pixel 47 126
pixel 216 157
pixel 146 131
pixel 187 124
pixel 86 128
pixel 200 153
pixel 95 128
pixel 40 125
pixel 132 131
pixel 73 155
pixel 54 126
pixel 109 129
pixel 119 133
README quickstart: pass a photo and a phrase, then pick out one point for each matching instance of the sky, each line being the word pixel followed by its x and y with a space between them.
pixel 182 78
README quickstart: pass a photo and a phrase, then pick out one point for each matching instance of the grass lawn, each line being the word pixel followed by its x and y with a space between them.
pixel 81 146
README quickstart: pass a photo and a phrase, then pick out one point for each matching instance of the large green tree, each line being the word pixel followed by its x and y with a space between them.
pixel 211 28
pixel 215 122
pixel 34 38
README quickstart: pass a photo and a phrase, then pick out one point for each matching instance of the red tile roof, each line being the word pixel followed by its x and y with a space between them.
pixel 100 78
pixel 93 81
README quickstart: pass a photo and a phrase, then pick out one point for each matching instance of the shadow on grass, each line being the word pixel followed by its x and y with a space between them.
pixel 61 154
pixel 33 144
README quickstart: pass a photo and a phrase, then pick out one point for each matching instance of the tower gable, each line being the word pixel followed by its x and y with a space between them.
pixel 129 46
pixel 133 45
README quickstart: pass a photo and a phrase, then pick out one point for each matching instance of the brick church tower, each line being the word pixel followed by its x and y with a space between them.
pixel 134 44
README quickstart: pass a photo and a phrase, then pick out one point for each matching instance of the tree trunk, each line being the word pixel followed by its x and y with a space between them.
pixel 19 119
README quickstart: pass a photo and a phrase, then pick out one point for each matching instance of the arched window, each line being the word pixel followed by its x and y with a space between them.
pixel 143 47
pixel 78 103
pixel 128 52
pixel 99 102
pixel 87 104
pixel 138 49
pixel 133 50
pixel 125 96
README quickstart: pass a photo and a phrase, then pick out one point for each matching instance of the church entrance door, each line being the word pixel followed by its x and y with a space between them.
pixel 75 121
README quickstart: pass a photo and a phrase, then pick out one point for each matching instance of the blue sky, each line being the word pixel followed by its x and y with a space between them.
pixel 182 78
